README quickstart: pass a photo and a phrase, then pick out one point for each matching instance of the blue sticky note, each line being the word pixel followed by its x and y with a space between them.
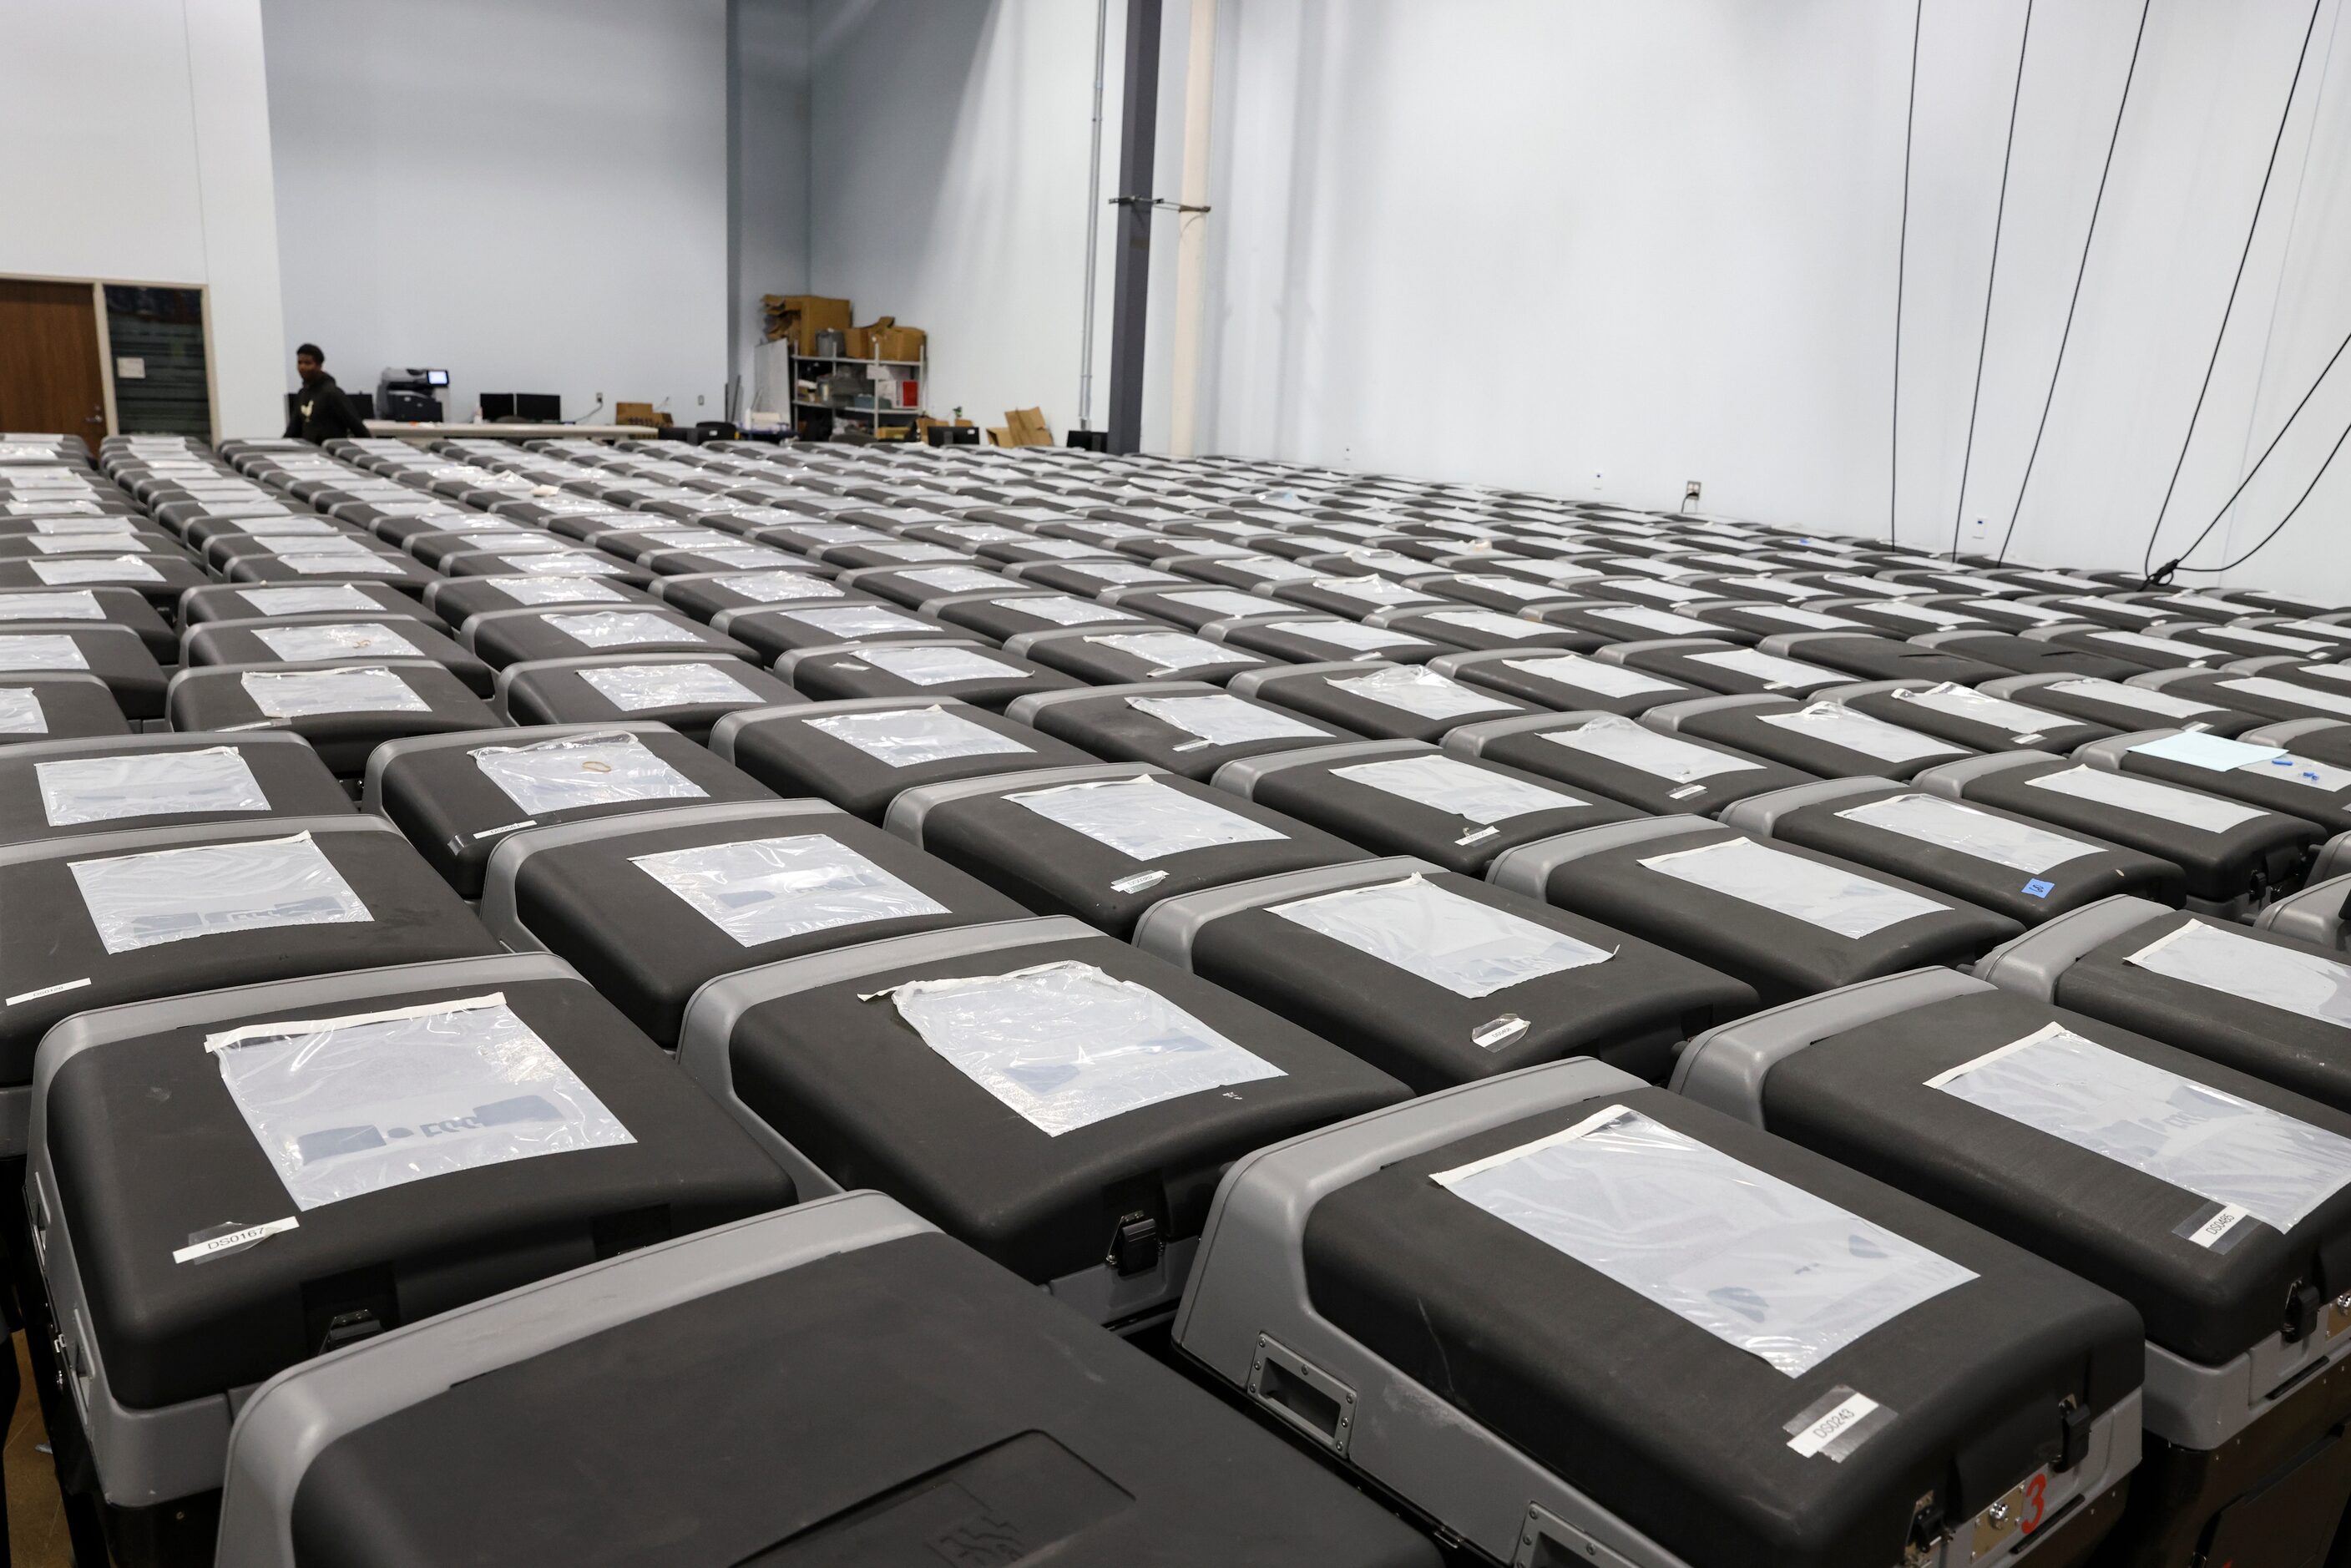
pixel 2040 889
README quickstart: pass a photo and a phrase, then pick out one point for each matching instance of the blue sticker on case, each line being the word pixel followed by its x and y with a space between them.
pixel 2040 889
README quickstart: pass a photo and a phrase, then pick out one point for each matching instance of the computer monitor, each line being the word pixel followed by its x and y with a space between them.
pixel 532 408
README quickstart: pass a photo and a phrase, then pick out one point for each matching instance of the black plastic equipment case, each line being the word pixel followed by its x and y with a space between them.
pixel 1672 774
pixel 1957 847
pixel 814 748
pixel 160 578
pixel 2292 785
pixel 2247 1389
pixel 287 773
pixel 2084 963
pixel 213 697
pixel 815 1057
pixel 1881 658
pixel 1536 1409
pixel 982 826
pixel 1629 1010
pixel 433 789
pixel 978 674
pixel 1106 722
pixel 933 1406
pixel 114 607
pixel 1313 690
pixel 115 654
pixel 411 917
pixel 347 600
pixel 2027 657
pixel 2119 705
pixel 1725 667
pixel 1313 786
pixel 352 641
pixel 577 891
pixel 1599 874
pixel 52 706
pixel 1777 729
pixel 1969 718
pixel 2232 870
pixel 160 1348
pixel 1093 654
pixel 688 692
pixel 2271 689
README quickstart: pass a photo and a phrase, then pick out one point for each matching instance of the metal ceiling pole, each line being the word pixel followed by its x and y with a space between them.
pixel 1191 231
pixel 1131 286
pixel 1093 226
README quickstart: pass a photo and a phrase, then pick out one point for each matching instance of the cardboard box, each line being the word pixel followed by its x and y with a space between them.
pixel 885 339
pixel 1027 427
pixel 801 317
pixel 637 413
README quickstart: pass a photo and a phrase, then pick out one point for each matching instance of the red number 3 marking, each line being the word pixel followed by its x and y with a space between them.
pixel 2036 1503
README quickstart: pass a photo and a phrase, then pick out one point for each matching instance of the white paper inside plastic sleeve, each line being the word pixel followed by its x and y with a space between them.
pixel 2288 692
pixel 778 586
pixel 559 591
pixel 621 629
pixel 1663 623
pixel 2140 697
pixel 1590 675
pixel 1947 824
pixel 2146 798
pixel 1067 1045
pixel 1463 789
pixel 1472 949
pixel 1166 650
pixel 562 563
pixel 908 737
pixel 2214 1144
pixel 346 1106
pixel 1348 636
pixel 2185 652
pixel 169 896
pixel 1630 745
pixel 938 667
pixel 1846 903
pixel 41 651
pixel 1142 819
pixel 1962 702
pixel 957 580
pixel 1810 619
pixel 20 712
pixel 1756 1261
pixel 1774 673
pixel 1225 720
pixel 1834 724
pixel 83 606
pixel 307 600
pixel 1493 623
pixel 2232 964
pixel 1225 603
pixel 354 688
pixel 358 564
pixel 571 771
pixel 641 688
pixel 1371 590
pixel 1066 610
pixel 365 639
pixel 1421 692
pixel 109 788
pixel 859 620
pixel 765 890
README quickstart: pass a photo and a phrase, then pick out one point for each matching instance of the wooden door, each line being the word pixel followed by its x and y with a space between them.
pixel 49 374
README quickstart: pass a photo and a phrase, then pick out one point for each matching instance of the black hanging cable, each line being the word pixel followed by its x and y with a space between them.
pixel 1901 269
pixel 1992 276
pixel 2177 562
pixel 2147 555
pixel 2282 522
pixel 2080 271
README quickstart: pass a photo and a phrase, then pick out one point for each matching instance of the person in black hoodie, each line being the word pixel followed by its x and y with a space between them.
pixel 321 410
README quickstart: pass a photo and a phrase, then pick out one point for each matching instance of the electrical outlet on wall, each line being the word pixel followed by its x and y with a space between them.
pixel 1599 479
pixel 1691 490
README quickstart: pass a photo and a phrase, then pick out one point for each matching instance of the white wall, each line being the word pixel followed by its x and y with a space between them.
pixel 139 151
pixel 530 192
pixel 949 146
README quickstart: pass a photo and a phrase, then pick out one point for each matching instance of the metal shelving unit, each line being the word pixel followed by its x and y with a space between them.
pixel 873 414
